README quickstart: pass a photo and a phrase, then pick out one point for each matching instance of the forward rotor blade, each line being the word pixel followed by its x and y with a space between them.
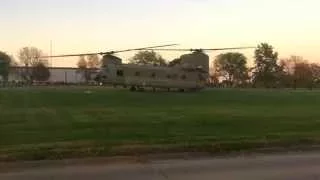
pixel 108 52
pixel 69 55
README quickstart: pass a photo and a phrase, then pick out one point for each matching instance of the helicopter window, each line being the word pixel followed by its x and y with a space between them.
pixel 137 73
pixel 153 75
pixel 120 73
pixel 184 77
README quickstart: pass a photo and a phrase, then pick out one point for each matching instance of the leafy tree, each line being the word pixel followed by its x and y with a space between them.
pixel 232 66
pixel 175 62
pixel 5 61
pixel 287 66
pixel 83 68
pixel 93 61
pixel 267 71
pixel 40 72
pixel 148 57
pixel 30 56
pixel 303 75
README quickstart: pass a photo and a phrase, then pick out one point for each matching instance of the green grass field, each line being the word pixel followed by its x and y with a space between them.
pixel 64 123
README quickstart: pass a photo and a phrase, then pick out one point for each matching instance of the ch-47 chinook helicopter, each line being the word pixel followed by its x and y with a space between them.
pixel 190 73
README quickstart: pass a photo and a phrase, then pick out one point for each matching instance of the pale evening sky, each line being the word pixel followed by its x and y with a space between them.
pixel 80 26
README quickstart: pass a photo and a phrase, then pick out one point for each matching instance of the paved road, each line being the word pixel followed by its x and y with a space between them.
pixel 289 166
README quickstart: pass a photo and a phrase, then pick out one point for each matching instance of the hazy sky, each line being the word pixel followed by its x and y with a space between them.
pixel 79 26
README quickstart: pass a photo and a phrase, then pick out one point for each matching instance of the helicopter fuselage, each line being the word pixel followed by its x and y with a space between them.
pixel 190 75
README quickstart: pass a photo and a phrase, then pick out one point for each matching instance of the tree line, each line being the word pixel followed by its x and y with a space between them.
pixel 35 68
pixel 229 69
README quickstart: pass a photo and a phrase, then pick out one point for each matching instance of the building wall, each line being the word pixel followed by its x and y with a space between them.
pixel 67 75
pixel 15 74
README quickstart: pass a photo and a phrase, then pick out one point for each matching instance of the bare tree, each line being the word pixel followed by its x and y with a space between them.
pixel 148 57
pixel 233 67
pixel 5 61
pixel 30 56
pixel 303 75
pixel 93 61
pixel 83 68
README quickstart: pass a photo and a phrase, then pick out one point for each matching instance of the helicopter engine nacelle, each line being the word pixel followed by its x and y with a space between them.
pixel 109 59
pixel 196 60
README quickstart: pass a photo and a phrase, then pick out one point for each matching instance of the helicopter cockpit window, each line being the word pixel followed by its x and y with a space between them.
pixel 120 73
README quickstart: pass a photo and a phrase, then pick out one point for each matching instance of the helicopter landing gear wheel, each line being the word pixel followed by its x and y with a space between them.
pixel 133 88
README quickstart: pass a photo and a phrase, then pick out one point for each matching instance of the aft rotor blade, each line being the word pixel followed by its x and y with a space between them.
pixel 136 49
pixel 208 49
pixel 170 49
pixel 218 49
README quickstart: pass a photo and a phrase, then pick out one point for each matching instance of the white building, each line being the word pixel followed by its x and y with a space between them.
pixel 57 74
pixel 66 75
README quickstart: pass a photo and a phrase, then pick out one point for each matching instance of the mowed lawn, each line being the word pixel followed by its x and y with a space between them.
pixel 57 123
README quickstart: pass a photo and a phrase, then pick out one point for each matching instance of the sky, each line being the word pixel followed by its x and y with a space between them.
pixel 81 26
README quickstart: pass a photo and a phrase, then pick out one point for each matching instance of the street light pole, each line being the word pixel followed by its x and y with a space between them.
pixel 50 53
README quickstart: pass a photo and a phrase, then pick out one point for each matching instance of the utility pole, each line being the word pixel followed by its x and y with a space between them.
pixel 50 53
